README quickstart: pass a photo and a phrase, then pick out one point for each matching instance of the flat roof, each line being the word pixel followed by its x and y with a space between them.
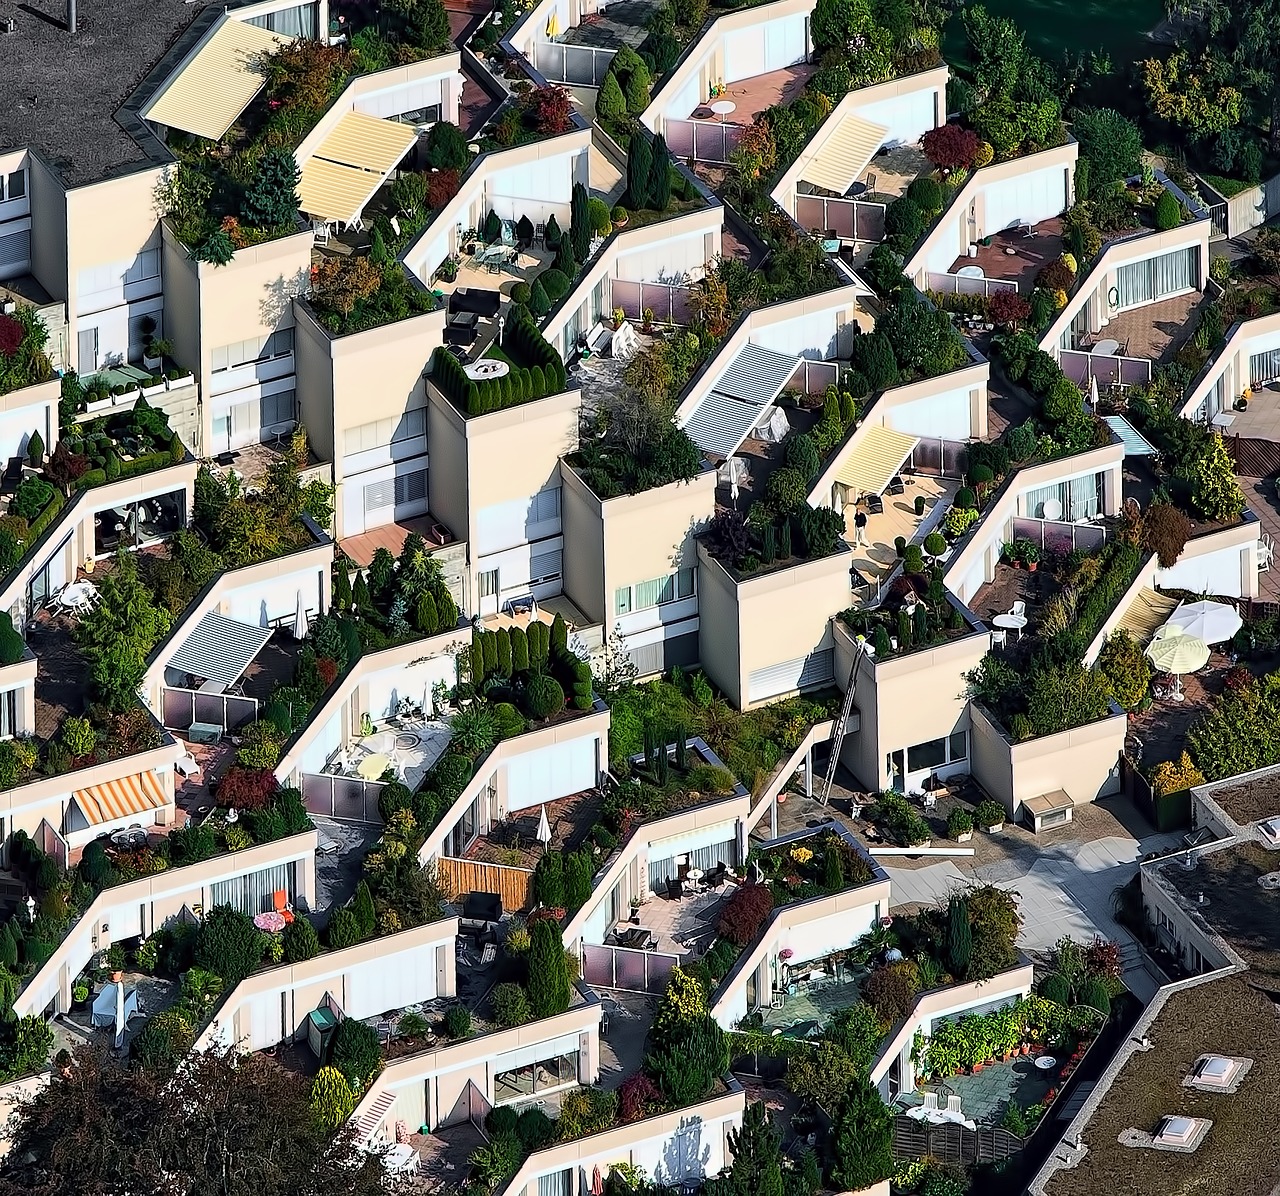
pixel 1238 1156
pixel 63 90
pixel 1235 905
pixel 1250 798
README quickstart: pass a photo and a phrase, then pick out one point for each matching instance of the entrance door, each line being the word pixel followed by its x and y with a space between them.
pixel 488 591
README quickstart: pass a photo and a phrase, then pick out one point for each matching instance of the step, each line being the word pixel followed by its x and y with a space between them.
pixel 374 1118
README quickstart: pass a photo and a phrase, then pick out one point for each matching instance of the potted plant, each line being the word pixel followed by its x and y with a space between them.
pixel 156 351
pixel 1008 553
pixel 147 326
pixel 448 271
pixel 960 825
pixel 619 217
pixel 618 317
pixel 152 386
pixel 646 316
pixel 990 815
pixel 1028 553
pixel 80 993
pixel 635 911
pixel 919 505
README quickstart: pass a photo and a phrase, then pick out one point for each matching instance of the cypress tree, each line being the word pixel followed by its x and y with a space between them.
pixel 447 611
pixel 660 176
pixel 489 644
pixel 519 650
pixel 504 652
pixel 959 937
pixel 548 976
pixel 342 589
pixel 426 618
pixel 477 657
pixel 363 908
pixel 360 594
pixel 639 170
pixel 579 223
pixel 559 634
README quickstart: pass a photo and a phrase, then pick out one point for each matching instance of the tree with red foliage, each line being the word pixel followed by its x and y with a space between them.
pixel 327 667
pixel 11 334
pixel 65 468
pixel 550 109
pixel 247 788
pixel 442 186
pixel 744 913
pixel 638 1097
pixel 950 146
pixel 1008 308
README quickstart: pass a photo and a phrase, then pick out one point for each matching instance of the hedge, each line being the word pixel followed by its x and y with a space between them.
pixel 536 372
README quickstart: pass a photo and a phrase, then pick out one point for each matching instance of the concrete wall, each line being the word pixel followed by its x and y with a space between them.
pixel 1083 761
pixel 1231 362
pixel 271 1006
pixel 904 700
pixel 142 906
pixel 761 621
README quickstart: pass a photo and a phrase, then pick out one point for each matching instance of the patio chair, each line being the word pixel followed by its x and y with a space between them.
pixel 1019 609
pixel 540 235
pixel 999 637
pixel 281 904
pixel 871 183
pixel 896 485
pixel 931 1100
pixel 674 889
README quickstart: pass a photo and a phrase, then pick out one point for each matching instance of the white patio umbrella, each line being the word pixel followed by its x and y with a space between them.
pixel 1213 622
pixel 1093 392
pixel 1173 651
pixel 544 828
pixel 300 620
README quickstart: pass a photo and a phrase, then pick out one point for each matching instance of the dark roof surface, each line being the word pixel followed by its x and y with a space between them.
pixel 62 91
pixel 1238 1157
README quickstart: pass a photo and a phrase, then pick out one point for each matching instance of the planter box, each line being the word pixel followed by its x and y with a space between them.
pixel 98 405
pixel 964 836
pixel 129 396
pixel 157 389
pixel 154 364
pixel 993 828
pixel 178 383
pixel 924 843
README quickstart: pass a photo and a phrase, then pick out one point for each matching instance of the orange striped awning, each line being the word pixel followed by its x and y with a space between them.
pixel 119 799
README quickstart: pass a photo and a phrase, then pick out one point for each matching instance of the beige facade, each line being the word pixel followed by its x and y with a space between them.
pixel 904 701
pixel 748 629
pixel 1083 762
pixel 142 906
pixel 20 679
pixel 1228 373
pixel 624 540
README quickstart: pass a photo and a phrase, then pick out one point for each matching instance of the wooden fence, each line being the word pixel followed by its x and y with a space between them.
pixel 513 885
pixel 952 1142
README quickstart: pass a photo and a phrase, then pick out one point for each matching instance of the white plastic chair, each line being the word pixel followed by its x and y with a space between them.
pixel 1018 610
pixel 999 637
pixel 1265 554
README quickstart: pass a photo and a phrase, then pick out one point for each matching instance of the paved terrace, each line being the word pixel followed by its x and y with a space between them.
pixel 892 171
pixel 752 96
pixel 1016 257
pixel 1156 331
pixel 622 23
pixel 878 558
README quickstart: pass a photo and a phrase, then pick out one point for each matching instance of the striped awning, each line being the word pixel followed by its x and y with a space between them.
pixel 1135 444
pixel 845 154
pixel 209 92
pixel 119 799
pixel 1146 614
pixel 724 419
pixel 351 163
pixel 219 649
pixel 878 454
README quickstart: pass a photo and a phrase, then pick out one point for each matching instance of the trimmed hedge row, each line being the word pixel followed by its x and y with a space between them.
pixel 535 373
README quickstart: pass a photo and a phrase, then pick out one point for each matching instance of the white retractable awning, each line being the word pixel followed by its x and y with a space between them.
pixel 219 649
pixel 206 96
pixel 351 163
pixel 872 462
pixel 845 154
pixel 726 416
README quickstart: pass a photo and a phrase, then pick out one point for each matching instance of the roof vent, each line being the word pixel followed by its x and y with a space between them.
pixel 1270 831
pixel 1176 1131
pixel 1216 1071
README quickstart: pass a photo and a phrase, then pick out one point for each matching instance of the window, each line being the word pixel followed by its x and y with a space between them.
pixel 382 432
pixel 8 714
pixel 258 348
pixel 487 583
pixel 926 755
pixel 545 567
pixel 300 21
pixel 959 746
pixel 411 487
pixel 278 409
pixel 933 753
pixel 558 1183
pixel 14 186
pixel 419 116
pixel 656 591
pixel 145 265
pixel 1144 282
pixel 545 505
pixel 545 1075
pixel 1076 498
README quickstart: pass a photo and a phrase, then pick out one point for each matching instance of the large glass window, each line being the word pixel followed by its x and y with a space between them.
pixel 1144 282
pixel 8 714
pixel 382 432
pixel 300 21
pixel 1066 502
pixel 134 524
pixel 656 591
pixel 257 348
pixel 546 1075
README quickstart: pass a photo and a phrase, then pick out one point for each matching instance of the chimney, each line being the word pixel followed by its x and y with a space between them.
pixel 71 16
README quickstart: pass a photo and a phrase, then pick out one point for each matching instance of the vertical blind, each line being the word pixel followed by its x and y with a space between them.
pixel 558 1183
pixel 1079 498
pixel 1263 367
pixel 300 21
pixel 1143 282
pixel 252 894
pixel 704 858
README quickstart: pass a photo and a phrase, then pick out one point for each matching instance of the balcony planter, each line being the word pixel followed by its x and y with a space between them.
pixel 98 404
pixel 129 396
pixel 178 383
pixel 964 836
pixel 154 364
pixel 994 828
pixel 157 388
pixel 923 843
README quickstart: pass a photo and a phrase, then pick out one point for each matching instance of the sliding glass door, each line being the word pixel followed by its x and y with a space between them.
pixel 1145 282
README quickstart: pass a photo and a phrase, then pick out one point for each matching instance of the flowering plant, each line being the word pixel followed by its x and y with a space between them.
pixel 801 855
pixel 785 954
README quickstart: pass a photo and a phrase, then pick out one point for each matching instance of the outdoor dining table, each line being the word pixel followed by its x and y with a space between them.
pixel 400 1157
pixel 373 766
pixel 76 595
pixel 1105 348
pixel 1011 623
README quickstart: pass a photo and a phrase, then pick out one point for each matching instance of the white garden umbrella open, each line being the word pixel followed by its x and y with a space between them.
pixel 1213 622
pixel 1173 651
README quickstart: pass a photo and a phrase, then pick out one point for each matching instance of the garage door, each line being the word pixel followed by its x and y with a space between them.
pixel 784 43
pixel 551 773
pixel 744 54
pixel 1025 200
pixel 803 673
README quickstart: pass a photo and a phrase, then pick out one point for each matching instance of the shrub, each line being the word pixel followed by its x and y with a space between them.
pixel 300 940
pixel 554 283
pixel 228 944
pixel 344 930
pixel 1170 777
pixel 904 223
pixel 872 356
pixel 511 1005
pixel 638 1098
pixel 935 544
pixel 1056 276
pixel 610 104
pixel 990 813
pixel 891 990
pixel 356 1053
pixel 913 559
pixel 950 146
pixel 959 822
pixel 802 455
pixel 926 193
pixel 535 1130
pixel 1095 994
pixel 1214 489
pixel 1125 665
pixel 457 1021
pixel 745 913
pixel 544 696
pixel 1062 401
pixel 785 490
pixel 332 1100
pixel 1168 211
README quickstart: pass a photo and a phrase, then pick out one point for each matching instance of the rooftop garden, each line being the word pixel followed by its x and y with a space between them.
pixel 358 292
pixel 781 530
pixel 23 361
pixel 751 744
pixel 242 191
pixel 535 370
pixel 910 620
pixel 1046 689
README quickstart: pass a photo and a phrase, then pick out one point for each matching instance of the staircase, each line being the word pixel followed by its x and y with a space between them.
pixel 837 739
pixel 372 1116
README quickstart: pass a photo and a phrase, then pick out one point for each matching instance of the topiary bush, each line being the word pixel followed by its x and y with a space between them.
pixel 544 697
pixel 1054 987
pixel 926 194
pixel 1168 211
pixel 785 490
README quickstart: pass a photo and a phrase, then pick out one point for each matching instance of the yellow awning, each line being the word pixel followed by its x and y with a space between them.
pixel 351 163
pixel 367 142
pixel 207 95
pixel 1147 613
pixel 845 154
pixel 118 799
pixel 874 459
